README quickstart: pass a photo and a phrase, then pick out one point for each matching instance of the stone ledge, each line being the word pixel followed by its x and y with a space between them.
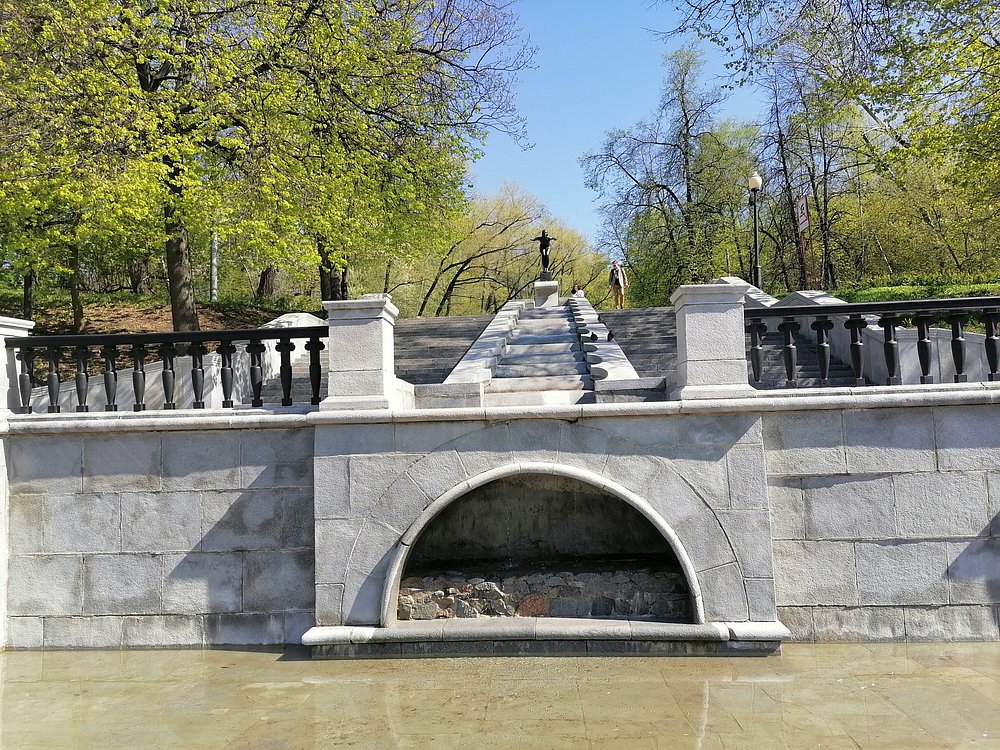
pixel 521 629
pixel 871 397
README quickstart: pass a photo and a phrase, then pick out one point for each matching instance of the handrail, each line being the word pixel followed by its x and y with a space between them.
pixel 169 345
pixel 956 311
pixel 874 308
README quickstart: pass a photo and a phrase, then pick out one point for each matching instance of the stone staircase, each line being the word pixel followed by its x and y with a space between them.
pixel 544 363
pixel 427 349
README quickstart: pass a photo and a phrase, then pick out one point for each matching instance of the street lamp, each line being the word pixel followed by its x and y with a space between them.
pixel 754 183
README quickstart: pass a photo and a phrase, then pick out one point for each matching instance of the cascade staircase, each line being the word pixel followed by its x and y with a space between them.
pixel 544 363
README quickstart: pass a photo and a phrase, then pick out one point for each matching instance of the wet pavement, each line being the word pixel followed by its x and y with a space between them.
pixel 830 696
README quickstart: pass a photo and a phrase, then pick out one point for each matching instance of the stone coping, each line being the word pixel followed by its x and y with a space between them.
pixel 544 629
pixel 871 397
pixel 516 628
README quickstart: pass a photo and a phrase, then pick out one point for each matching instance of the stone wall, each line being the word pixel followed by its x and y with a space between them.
pixel 697 478
pixel 622 588
pixel 159 537
pixel 886 522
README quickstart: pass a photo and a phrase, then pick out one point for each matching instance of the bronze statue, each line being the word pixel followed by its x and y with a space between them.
pixel 544 242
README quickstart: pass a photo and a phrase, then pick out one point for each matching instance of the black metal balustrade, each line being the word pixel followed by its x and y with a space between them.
pixel 854 317
pixel 169 347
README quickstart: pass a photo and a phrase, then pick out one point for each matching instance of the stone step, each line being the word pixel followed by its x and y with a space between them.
pixel 539 398
pixel 533 357
pixel 547 326
pixel 540 369
pixel 518 350
pixel 550 383
pixel 531 340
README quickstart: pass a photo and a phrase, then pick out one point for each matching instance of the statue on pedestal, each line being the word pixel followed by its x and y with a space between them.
pixel 544 242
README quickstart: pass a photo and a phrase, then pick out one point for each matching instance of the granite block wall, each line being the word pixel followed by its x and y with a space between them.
pixel 160 538
pixel 886 522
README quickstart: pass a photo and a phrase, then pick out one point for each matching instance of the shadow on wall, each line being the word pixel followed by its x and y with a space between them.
pixel 974 575
pixel 252 572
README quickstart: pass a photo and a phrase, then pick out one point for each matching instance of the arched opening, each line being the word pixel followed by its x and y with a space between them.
pixel 542 545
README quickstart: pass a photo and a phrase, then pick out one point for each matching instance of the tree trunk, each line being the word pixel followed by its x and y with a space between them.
pixel 180 278
pixel 74 290
pixel 267 285
pixel 139 276
pixel 28 294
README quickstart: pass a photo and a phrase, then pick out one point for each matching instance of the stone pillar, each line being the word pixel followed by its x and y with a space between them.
pixel 711 343
pixel 11 328
pixel 546 294
pixel 361 354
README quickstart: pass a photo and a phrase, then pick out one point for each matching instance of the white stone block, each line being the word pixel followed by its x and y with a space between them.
pixel 967 437
pixel 201 460
pixel 437 473
pixel 361 383
pixel 425 437
pixel 760 599
pixel 347 439
pixel 125 584
pixel 46 464
pixel 747 477
pixel 333 497
pixel 25 524
pixel 933 504
pixel 723 593
pixel 276 458
pixel 45 585
pixel 951 623
pixel 82 632
pixel 82 523
pixel 152 631
pixel 849 507
pixel 245 629
pixel 335 539
pixel 128 462
pixel 24 632
pixel 329 604
pixel 546 294
pixel 203 582
pixel 799 621
pixel 858 624
pixel 902 573
pixel 805 442
pixel 241 520
pixel 815 573
pixel 974 571
pixel 881 441
pixel 279 580
pixel 749 534
pixel 161 521
pixel 788 520
pixel 372 475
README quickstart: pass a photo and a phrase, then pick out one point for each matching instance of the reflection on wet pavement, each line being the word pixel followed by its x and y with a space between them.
pixel 832 696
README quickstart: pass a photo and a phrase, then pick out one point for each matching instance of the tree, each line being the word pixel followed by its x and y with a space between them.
pixel 263 120
pixel 668 194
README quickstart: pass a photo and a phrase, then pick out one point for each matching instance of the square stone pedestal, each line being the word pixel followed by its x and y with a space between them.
pixel 546 294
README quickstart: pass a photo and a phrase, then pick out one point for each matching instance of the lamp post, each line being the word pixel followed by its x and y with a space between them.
pixel 754 183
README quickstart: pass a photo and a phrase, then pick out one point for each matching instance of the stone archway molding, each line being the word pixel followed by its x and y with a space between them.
pixel 390 588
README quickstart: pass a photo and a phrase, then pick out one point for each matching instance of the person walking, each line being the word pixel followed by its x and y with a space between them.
pixel 618 282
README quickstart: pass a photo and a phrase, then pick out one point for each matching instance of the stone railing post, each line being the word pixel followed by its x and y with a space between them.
pixel 361 354
pixel 12 328
pixel 711 341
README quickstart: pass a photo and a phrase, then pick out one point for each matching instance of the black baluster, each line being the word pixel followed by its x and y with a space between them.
pixel 314 346
pixel 958 321
pixel 197 351
pixel 167 355
pixel 924 347
pixel 139 376
pixel 226 349
pixel 856 324
pixel 992 320
pixel 256 351
pixel 54 354
pixel 823 325
pixel 757 328
pixel 82 378
pixel 110 354
pixel 890 347
pixel 285 347
pixel 27 357
pixel 789 328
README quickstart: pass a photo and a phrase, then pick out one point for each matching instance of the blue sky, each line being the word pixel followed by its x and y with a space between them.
pixel 599 66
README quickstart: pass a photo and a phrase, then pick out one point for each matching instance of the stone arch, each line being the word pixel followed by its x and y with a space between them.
pixel 401 551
